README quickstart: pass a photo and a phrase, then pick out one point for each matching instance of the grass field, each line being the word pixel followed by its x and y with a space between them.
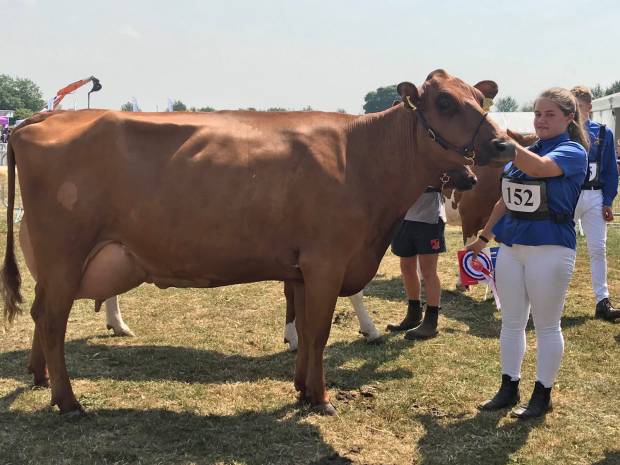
pixel 208 381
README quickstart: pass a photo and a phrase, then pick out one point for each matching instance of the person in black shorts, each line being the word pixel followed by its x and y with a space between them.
pixel 420 239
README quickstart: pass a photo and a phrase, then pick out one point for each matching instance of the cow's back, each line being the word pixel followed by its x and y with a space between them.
pixel 200 199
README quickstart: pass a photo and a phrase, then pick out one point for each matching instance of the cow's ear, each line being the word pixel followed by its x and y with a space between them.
pixel 409 93
pixel 488 88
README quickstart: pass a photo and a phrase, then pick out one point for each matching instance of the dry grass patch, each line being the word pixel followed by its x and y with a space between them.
pixel 208 381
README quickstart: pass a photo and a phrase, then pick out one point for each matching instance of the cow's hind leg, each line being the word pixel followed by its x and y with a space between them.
pixel 36 362
pixel 50 317
pixel 301 362
pixel 322 286
pixel 290 332
pixel 367 326
pixel 114 319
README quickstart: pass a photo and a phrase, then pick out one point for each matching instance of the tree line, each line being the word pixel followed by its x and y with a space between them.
pixel 383 97
pixel 24 97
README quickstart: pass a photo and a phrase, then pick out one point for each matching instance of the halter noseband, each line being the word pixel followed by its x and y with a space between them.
pixel 465 150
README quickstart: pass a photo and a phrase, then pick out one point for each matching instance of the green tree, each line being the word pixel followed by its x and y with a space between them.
pixel 529 106
pixel 177 105
pixel 276 109
pixel 613 88
pixel 23 113
pixel 307 108
pixel 341 110
pixel 380 99
pixel 206 109
pixel 128 106
pixel 597 91
pixel 21 95
pixel 506 104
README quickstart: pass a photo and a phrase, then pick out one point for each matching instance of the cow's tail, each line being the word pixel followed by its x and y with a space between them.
pixel 9 276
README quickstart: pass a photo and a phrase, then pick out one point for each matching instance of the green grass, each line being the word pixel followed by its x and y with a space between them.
pixel 208 381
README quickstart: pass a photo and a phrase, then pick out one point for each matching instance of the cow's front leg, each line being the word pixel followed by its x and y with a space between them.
pixel 322 287
pixel 290 332
pixel 114 319
pixel 367 326
pixel 51 324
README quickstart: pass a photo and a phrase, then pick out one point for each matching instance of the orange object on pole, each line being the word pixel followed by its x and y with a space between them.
pixel 73 87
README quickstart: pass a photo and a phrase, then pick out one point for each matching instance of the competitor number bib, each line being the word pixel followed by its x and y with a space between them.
pixel 592 172
pixel 519 197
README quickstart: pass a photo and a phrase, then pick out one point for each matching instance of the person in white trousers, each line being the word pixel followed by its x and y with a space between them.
pixel 533 220
pixel 595 201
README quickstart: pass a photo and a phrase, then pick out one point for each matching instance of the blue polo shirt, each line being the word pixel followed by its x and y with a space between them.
pixel 562 195
pixel 608 176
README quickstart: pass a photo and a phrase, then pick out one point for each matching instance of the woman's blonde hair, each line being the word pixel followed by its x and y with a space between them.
pixel 566 101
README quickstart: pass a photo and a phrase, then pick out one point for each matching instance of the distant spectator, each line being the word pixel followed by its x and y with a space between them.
pixel 594 208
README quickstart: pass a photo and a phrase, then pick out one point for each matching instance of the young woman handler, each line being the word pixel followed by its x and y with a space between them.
pixel 534 223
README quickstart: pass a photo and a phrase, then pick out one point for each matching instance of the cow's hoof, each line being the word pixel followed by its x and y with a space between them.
pixel 121 331
pixel 292 345
pixel 325 409
pixel 372 337
pixel 375 340
pixel 74 415
pixel 43 383
pixel 461 288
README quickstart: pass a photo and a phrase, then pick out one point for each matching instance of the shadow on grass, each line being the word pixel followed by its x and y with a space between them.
pixel 611 458
pixel 129 436
pixel 481 317
pixel 87 359
pixel 476 440
pixel 386 289
pixel 478 316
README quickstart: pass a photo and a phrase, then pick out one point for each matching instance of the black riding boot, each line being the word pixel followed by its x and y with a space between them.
pixel 413 318
pixel 539 404
pixel 507 396
pixel 606 311
pixel 428 328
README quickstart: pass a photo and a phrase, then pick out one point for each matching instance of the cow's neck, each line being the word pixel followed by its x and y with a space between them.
pixel 386 145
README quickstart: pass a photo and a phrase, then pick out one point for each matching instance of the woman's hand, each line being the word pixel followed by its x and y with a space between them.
pixel 476 246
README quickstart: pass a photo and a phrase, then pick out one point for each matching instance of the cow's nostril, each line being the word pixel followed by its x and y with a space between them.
pixel 506 148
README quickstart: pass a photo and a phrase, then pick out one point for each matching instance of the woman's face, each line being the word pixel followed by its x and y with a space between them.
pixel 549 120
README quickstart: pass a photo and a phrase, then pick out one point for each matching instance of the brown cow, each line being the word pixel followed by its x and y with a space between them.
pixel 305 197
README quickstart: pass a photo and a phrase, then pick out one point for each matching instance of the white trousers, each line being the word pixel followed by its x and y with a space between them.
pixel 535 277
pixel 590 211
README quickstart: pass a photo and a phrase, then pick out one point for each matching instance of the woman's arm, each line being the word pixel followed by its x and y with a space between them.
pixel 498 211
pixel 535 165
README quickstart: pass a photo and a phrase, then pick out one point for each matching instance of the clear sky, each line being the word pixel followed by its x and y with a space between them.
pixel 326 54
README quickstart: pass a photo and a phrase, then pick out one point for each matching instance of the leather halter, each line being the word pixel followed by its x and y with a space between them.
pixel 464 151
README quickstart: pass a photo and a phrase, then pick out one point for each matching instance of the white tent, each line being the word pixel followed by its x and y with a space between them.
pixel 606 110
pixel 516 121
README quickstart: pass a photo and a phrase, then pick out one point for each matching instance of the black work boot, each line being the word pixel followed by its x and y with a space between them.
pixel 539 404
pixel 413 318
pixel 606 311
pixel 507 395
pixel 428 328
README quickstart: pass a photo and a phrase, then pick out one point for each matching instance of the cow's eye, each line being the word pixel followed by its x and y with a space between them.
pixel 444 103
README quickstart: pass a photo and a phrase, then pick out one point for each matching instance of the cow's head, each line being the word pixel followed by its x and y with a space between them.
pixel 452 122
pixel 461 178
